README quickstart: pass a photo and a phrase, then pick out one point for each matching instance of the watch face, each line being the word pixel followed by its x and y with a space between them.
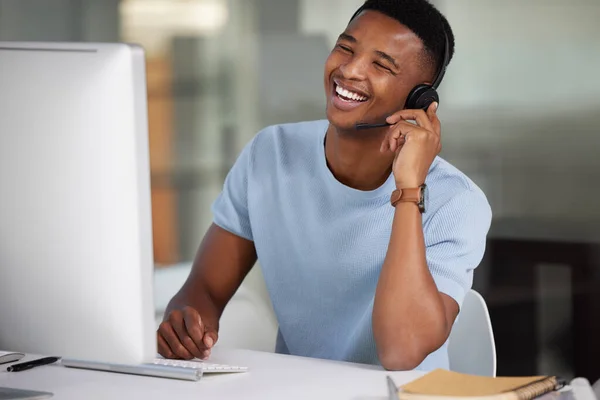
pixel 424 198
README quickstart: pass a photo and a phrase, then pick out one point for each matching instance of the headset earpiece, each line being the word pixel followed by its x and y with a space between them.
pixel 421 97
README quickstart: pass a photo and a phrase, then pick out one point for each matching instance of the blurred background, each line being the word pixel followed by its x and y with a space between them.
pixel 520 106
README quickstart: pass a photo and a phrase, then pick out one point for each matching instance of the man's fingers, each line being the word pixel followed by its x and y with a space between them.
pixel 397 136
pixel 210 338
pixel 385 144
pixel 396 141
pixel 194 326
pixel 177 322
pixel 163 347
pixel 435 121
pixel 178 349
pixel 432 109
pixel 419 116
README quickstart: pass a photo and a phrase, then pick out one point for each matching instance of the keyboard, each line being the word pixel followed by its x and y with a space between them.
pixel 160 367
pixel 206 367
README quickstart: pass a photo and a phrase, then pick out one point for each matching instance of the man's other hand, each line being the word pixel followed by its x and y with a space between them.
pixel 183 335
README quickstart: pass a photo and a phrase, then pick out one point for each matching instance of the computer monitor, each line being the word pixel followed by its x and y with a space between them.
pixel 76 259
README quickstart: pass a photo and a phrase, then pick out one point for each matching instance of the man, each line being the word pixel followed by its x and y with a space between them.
pixel 350 275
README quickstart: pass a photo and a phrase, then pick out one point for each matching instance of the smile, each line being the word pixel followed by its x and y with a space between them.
pixel 347 95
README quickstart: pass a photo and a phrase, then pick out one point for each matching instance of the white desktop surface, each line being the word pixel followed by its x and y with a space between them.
pixel 271 376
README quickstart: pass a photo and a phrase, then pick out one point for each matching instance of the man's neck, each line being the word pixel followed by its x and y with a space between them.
pixel 355 160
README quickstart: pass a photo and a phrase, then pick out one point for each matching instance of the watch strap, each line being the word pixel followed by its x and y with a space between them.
pixel 410 195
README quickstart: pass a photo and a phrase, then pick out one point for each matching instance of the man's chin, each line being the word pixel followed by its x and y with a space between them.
pixel 343 122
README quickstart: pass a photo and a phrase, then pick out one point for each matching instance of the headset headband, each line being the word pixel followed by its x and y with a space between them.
pixel 442 70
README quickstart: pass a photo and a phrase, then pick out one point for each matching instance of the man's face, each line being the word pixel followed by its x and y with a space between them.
pixel 375 64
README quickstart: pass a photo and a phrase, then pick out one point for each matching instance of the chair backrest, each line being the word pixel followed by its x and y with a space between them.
pixel 596 388
pixel 471 346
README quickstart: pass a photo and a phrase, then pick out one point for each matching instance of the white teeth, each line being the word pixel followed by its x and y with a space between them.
pixel 350 95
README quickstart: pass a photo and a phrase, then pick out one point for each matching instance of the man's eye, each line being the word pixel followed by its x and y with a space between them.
pixel 383 66
pixel 345 48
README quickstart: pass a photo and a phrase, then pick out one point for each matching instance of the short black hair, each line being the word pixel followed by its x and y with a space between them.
pixel 421 17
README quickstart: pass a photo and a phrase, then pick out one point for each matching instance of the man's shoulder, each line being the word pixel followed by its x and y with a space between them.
pixel 450 187
pixel 296 131
pixel 289 141
pixel 443 173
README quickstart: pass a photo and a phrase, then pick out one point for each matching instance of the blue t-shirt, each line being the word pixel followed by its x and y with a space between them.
pixel 321 244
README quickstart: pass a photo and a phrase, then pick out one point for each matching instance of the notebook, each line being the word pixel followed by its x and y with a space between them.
pixel 443 385
pixel 7 357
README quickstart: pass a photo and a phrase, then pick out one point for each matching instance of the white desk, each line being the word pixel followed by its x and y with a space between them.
pixel 271 376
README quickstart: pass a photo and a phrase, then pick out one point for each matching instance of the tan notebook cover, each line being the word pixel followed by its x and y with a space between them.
pixel 448 384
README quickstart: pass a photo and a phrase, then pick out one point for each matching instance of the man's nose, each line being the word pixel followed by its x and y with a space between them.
pixel 354 69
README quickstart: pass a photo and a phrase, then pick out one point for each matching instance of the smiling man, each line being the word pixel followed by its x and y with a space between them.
pixel 367 238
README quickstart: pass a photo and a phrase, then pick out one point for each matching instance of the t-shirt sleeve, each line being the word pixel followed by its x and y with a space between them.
pixel 230 209
pixel 457 241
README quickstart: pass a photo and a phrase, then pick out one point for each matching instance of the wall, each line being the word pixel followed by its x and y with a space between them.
pixel 520 103
pixel 59 20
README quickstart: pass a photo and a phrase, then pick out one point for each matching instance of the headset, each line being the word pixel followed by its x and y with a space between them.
pixel 422 96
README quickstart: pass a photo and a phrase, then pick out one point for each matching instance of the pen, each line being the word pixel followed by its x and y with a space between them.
pixel 32 364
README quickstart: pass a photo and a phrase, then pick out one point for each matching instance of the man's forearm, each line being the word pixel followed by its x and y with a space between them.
pixel 409 319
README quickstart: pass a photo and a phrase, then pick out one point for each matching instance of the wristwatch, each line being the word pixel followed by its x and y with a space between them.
pixel 412 195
